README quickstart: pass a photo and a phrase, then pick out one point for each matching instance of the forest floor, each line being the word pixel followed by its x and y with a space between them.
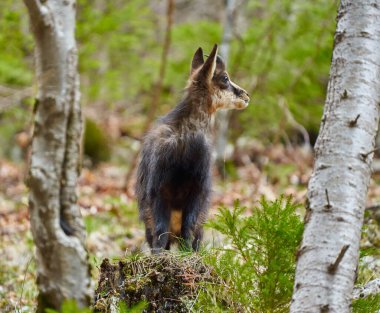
pixel 110 213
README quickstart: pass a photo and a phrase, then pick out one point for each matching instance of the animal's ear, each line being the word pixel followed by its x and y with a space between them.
pixel 220 65
pixel 197 60
pixel 208 68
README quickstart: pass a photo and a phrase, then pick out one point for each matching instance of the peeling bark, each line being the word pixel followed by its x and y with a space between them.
pixel 328 255
pixel 56 224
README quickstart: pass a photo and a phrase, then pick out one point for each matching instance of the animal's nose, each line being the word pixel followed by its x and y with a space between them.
pixel 245 96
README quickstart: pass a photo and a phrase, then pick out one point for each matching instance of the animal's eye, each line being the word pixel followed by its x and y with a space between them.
pixel 225 79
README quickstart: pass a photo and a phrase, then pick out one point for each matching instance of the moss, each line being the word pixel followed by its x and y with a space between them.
pixel 95 142
pixel 167 282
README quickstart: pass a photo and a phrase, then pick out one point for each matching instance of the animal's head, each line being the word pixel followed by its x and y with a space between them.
pixel 210 77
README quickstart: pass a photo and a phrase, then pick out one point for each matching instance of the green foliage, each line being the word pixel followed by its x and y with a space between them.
pixel 70 306
pixel 117 47
pixel 12 121
pixel 138 308
pixel 277 53
pixel 16 44
pixel 258 265
pixel 370 304
pixel 283 57
pixel 96 145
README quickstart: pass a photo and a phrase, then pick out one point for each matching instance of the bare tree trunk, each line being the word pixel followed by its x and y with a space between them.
pixel 56 224
pixel 157 91
pixel 222 117
pixel 328 256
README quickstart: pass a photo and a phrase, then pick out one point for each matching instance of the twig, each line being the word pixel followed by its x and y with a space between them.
pixel 156 95
pixel 334 266
pixel 345 94
pixel 353 123
pixel 14 97
pixel 325 308
pixel 23 282
pixel 364 155
pixel 164 60
pixel 328 205
pixel 373 207
pixel 34 9
pixel 289 118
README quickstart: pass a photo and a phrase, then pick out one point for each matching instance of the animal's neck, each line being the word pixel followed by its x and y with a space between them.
pixel 191 115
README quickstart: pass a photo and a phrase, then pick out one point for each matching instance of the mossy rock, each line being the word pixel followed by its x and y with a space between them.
pixel 166 283
pixel 95 142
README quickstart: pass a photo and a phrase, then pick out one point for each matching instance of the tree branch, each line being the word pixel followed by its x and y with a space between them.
pixel 156 95
pixel 334 266
pixel 34 9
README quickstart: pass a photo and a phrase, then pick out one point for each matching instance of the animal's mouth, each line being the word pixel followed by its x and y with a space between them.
pixel 242 104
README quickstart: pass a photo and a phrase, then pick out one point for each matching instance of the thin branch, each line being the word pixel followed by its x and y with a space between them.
pixel 328 205
pixel 34 9
pixel 14 98
pixel 365 155
pixel 334 266
pixel 156 95
pixel 164 60
pixel 353 123
pixel 373 207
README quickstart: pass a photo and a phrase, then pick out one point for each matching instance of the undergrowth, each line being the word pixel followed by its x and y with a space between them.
pixel 257 264
pixel 258 261
pixel 252 272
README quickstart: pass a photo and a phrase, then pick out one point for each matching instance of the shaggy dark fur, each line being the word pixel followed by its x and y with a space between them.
pixel 174 179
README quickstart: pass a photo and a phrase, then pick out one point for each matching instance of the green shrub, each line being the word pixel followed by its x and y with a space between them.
pixel 258 263
pixel 70 306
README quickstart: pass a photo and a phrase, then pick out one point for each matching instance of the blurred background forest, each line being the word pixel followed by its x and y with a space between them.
pixel 280 52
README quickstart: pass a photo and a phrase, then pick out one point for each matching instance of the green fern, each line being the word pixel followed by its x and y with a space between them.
pixel 70 306
pixel 258 264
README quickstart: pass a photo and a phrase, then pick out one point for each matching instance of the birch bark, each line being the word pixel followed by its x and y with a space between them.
pixel 222 116
pixel 56 224
pixel 328 255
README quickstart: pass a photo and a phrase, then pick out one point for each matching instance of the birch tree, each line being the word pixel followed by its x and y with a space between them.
pixel 328 256
pixel 222 117
pixel 56 224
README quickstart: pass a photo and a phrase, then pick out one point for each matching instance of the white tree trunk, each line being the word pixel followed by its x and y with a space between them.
pixel 222 116
pixel 328 256
pixel 56 224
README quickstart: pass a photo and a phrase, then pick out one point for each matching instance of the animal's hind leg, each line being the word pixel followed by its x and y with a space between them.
pixel 161 215
pixel 167 247
pixel 193 218
pixel 198 236
pixel 149 236
pixel 188 222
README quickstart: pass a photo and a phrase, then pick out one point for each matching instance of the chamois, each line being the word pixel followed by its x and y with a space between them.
pixel 174 178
